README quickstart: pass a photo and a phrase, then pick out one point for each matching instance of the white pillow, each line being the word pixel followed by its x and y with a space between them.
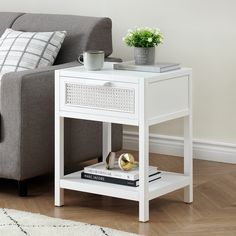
pixel 28 50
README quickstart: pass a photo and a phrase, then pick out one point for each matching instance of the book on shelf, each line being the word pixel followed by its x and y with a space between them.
pixel 126 182
pixel 158 67
pixel 100 169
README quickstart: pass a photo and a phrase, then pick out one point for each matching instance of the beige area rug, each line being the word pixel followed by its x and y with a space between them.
pixel 20 223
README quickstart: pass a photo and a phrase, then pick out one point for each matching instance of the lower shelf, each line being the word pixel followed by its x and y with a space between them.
pixel 169 182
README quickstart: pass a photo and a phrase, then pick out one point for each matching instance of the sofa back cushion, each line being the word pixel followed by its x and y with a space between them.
pixel 83 33
pixel 7 19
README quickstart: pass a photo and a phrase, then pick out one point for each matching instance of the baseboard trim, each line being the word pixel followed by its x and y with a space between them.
pixel 171 145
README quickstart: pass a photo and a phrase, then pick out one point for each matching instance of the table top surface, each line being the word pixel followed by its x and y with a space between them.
pixel 109 71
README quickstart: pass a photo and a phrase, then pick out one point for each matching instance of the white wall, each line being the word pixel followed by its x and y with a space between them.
pixel 198 33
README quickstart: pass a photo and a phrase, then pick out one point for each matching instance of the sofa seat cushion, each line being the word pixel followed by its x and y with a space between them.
pixel 28 50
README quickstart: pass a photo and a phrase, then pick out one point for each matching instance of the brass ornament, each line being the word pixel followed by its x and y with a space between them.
pixel 127 162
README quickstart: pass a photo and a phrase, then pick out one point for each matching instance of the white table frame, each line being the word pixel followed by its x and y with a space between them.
pixel 145 192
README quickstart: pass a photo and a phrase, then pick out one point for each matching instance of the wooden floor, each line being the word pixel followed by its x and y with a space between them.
pixel 212 213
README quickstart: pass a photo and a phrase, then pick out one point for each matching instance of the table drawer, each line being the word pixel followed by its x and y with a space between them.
pixel 84 95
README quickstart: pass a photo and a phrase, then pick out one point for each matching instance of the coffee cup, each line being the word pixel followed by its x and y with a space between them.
pixel 92 60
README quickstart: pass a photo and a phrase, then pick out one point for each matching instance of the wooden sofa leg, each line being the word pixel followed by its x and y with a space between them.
pixel 22 188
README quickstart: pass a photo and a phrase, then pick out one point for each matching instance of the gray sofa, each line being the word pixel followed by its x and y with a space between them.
pixel 27 101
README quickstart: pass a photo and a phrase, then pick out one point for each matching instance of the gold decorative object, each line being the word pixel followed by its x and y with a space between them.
pixel 110 160
pixel 127 162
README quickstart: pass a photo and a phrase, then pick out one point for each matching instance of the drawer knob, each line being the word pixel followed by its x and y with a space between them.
pixel 107 84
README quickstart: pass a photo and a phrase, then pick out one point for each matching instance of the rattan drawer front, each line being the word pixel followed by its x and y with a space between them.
pixel 100 97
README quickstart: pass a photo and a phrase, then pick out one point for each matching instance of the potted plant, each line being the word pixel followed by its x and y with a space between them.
pixel 144 40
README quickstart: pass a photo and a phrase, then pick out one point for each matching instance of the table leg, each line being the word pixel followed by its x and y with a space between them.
pixel 188 158
pixel 59 159
pixel 143 173
pixel 106 139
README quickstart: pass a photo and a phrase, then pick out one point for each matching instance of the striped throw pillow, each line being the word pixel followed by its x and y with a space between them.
pixel 28 50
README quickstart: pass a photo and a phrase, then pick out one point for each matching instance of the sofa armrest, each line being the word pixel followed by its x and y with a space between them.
pixel 27 112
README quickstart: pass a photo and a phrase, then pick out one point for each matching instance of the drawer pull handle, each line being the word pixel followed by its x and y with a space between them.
pixel 99 84
pixel 107 84
pixel 103 84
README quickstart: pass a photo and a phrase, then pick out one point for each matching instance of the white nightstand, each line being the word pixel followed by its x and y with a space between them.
pixel 126 97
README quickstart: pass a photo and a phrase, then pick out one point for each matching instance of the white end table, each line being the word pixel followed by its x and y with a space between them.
pixel 126 97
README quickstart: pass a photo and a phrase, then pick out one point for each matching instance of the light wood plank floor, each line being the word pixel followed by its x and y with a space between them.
pixel 212 213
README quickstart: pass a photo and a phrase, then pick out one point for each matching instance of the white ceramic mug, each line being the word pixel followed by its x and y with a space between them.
pixel 92 60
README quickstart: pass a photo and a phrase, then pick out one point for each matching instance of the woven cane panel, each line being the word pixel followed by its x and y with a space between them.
pixel 101 97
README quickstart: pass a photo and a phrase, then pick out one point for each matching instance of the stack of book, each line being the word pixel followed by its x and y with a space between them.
pixel 158 67
pixel 98 172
